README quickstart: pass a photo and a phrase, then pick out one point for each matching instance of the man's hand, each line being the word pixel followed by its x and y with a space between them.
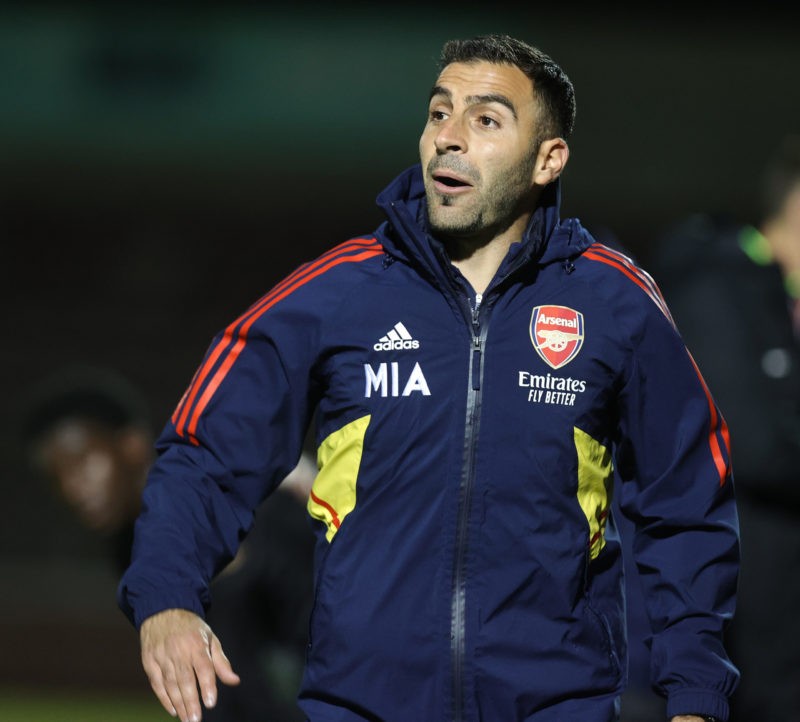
pixel 180 652
pixel 687 718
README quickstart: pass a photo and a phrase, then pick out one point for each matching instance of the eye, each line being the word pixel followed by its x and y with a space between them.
pixel 488 122
pixel 437 115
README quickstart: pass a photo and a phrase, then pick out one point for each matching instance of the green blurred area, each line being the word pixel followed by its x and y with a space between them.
pixel 18 705
pixel 227 99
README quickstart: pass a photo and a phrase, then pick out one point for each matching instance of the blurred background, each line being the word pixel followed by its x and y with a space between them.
pixel 163 165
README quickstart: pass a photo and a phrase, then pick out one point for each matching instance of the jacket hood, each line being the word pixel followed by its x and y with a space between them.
pixel 406 233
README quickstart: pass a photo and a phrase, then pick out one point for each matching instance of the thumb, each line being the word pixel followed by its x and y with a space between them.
pixel 222 665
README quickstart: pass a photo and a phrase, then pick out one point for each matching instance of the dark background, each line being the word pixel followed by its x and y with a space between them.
pixel 162 166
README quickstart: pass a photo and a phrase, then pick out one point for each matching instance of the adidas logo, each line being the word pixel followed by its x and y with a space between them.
pixel 397 338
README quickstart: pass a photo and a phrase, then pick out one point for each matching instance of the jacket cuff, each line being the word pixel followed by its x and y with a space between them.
pixel 697 701
pixel 139 607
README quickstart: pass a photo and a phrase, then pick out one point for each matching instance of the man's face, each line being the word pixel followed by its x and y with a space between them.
pixel 90 473
pixel 477 150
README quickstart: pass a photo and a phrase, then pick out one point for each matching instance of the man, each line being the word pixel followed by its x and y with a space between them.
pixel 88 432
pixel 733 289
pixel 475 367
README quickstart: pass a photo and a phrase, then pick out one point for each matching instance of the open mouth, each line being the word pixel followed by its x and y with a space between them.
pixel 446 181
pixel 451 182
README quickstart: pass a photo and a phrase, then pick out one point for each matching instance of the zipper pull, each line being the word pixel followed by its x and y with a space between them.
pixel 476 363
pixel 476 344
pixel 476 308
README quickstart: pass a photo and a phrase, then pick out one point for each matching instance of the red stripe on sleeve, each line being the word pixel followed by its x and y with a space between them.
pixel 641 279
pixel 227 340
pixel 719 428
pixel 354 244
pixel 178 408
pixel 281 291
pixel 628 263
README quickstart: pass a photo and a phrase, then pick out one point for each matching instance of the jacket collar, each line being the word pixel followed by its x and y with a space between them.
pixel 406 233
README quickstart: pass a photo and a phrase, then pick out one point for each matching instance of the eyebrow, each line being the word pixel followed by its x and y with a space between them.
pixel 476 99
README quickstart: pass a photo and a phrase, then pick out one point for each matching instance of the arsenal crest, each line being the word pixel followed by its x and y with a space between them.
pixel 556 334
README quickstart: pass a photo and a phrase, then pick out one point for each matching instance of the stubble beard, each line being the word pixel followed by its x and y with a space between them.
pixel 486 216
pixel 457 222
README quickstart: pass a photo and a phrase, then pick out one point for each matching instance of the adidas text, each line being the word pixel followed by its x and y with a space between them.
pixel 397 338
pixel 396 345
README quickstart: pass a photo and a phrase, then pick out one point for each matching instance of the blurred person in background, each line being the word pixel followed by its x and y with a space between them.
pixel 734 289
pixel 88 433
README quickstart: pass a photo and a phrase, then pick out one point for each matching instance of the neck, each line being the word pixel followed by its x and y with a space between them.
pixel 479 258
pixel 480 266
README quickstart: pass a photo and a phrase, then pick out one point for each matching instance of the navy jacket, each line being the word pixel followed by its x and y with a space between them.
pixel 466 565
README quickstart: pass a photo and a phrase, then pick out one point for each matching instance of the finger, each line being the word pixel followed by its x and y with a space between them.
pixel 204 669
pixel 187 686
pixel 181 689
pixel 212 663
pixel 157 684
pixel 222 665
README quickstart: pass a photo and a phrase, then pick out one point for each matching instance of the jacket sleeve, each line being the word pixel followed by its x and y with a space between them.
pixel 235 434
pixel 673 458
pixel 759 403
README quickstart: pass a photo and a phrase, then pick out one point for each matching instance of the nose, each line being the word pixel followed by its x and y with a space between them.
pixel 450 137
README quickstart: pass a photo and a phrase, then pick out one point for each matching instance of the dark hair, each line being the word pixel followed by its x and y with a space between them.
pixel 781 176
pixel 550 83
pixel 96 395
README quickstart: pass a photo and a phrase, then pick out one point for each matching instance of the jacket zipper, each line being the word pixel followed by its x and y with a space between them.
pixel 458 591
pixel 458 603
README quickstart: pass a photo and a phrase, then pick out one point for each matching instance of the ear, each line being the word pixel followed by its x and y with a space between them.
pixel 550 161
